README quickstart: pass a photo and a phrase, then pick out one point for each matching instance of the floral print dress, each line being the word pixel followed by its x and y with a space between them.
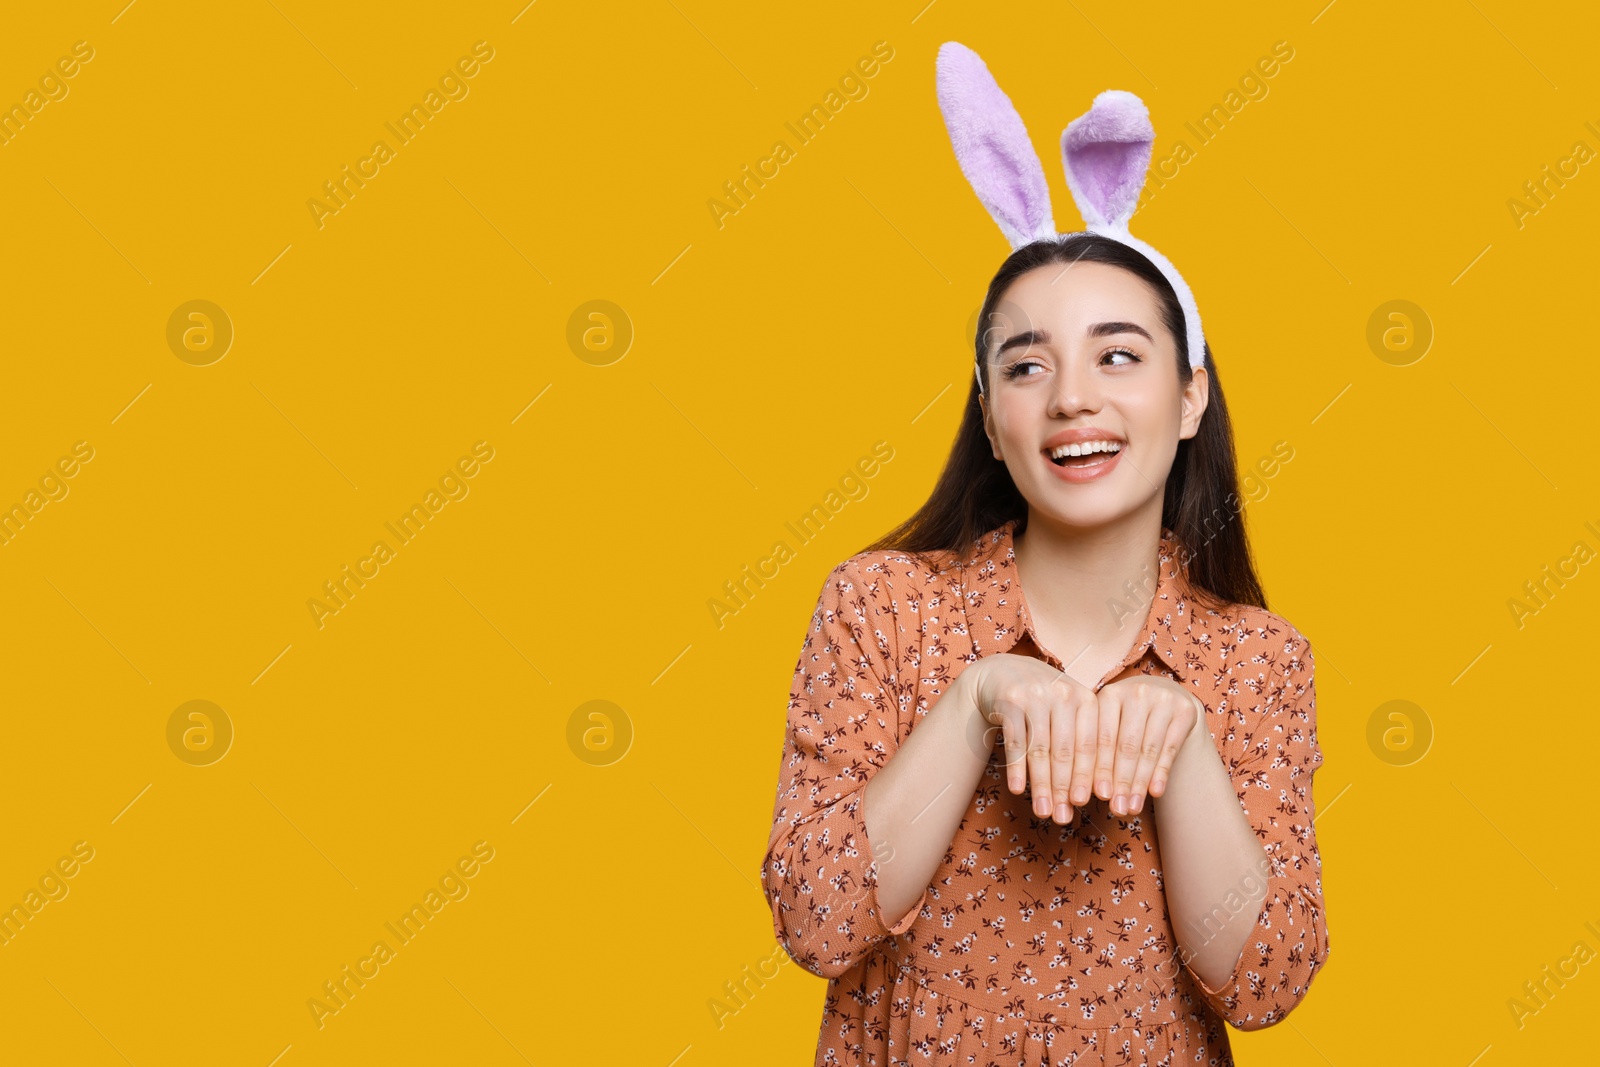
pixel 1034 943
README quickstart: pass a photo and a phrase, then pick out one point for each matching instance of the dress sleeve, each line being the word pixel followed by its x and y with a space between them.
pixel 820 874
pixel 1272 770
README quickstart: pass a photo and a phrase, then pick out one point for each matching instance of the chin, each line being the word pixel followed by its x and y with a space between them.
pixel 1085 516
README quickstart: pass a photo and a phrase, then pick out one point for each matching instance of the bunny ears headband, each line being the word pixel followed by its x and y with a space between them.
pixel 1106 152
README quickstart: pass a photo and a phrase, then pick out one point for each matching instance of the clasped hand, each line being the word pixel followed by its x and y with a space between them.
pixel 1066 740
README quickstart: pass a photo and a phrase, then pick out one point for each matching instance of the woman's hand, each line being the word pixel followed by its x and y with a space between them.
pixel 1048 720
pixel 1142 723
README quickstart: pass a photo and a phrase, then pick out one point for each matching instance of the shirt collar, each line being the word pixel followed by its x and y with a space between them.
pixel 998 616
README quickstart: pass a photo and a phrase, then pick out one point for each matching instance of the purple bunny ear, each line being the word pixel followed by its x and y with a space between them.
pixel 992 146
pixel 1106 152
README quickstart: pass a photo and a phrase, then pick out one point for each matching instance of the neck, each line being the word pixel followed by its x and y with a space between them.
pixel 1093 587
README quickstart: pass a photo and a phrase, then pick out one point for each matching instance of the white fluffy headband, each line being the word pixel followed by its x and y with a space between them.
pixel 1105 151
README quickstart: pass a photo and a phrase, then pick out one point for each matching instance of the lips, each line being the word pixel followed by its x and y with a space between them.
pixel 1071 453
pixel 1079 436
pixel 1088 468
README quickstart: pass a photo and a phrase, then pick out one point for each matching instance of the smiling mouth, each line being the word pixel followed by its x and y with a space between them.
pixel 1090 455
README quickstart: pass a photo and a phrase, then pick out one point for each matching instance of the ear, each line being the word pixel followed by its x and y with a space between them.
pixel 1106 152
pixel 1196 398
pixel 988 427
pixel 992 146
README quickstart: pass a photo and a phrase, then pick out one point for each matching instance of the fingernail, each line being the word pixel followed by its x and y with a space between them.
pixel 1137 803
pixel 1062 814
pixel 1041 806
pixel 1120 804
pixel 1080 795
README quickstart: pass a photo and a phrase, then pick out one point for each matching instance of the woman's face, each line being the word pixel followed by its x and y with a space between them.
pixel 1078 352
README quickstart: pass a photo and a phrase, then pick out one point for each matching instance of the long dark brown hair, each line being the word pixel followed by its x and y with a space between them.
pixel 1202 504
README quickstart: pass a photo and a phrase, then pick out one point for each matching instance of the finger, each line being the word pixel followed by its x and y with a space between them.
pixel 1038 718
pixel 1085 739
pixel 1153 737
pixel 1130 739
pixel 1063 720
pixel 1106 742
pixel 1013 736
pixel 1169 755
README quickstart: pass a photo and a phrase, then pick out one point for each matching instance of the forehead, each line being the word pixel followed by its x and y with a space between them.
pixel 1061 296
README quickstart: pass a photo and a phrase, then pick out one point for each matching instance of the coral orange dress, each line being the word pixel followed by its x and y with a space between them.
pixel 1034 943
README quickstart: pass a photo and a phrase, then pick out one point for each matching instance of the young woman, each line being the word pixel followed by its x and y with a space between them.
pixel 1045 795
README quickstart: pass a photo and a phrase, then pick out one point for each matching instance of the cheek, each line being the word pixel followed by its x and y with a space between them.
pixel 1017 428
pixel 1153 420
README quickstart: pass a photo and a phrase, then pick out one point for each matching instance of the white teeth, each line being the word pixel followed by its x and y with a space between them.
pixel 1085 448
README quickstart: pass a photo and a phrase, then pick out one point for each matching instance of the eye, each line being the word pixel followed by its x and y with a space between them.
pixel 1015 370
pixel 1125 352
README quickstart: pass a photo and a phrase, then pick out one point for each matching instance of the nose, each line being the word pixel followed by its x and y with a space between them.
pixel 1076 388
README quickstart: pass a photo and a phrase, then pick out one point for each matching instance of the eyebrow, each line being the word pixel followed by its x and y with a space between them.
pixel 1099 329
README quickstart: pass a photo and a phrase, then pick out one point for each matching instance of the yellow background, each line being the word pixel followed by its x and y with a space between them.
pixel 833 311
